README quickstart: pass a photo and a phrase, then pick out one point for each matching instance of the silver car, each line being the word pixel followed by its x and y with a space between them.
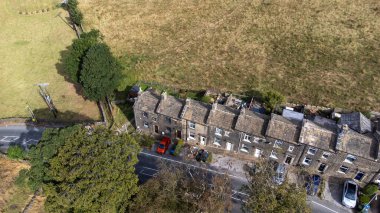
pixel 280 174
pixel 350 194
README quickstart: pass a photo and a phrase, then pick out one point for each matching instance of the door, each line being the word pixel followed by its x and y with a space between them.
pixel 179 134
pixel 155 128
pixel 229 146
pixel 203 141
pixel 322 167
pixel 288 159
pixel 257 153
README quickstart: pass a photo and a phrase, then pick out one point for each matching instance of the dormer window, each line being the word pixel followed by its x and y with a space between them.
pixel 312 151
pixel 247 138
pixel 226 133
pixel 218 131
pixel 350 159
pixel 217 142
pixel 145 114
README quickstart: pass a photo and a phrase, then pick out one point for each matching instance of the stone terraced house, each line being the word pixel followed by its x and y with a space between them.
pixel 345 150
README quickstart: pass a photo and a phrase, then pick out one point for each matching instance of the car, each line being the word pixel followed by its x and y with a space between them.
pixel 172 149
pixel 280 174
pixel 350 194
pixel 199 155
pixel 312 184
pixel 163 145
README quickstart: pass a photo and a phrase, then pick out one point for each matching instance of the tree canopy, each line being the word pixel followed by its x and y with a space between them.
pixel 73 60
pixel 180 189
pixel 75 14
pixel 266 196
pixel 82 171
pixel 101 72
pixel 271 99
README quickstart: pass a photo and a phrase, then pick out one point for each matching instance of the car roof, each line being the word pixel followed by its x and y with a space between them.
pixel 280 168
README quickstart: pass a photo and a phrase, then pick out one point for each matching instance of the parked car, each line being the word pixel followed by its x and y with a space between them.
pixel 350 194
pixel 172 149
pixel 204 156
pixel 163 146
pixel 312 184
pixel 280 173
pixel 199 155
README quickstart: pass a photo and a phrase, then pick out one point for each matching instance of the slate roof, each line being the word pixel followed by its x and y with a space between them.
pixel 147 101
pixel 222 116
pixel 170 106
pixel 283 129
pixel 356 121
pixel 252 123
pixel 357 144
pixel 314 134
pixel 196 111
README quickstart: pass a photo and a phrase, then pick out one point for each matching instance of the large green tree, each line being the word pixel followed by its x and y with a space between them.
pixel 266 196
pixel 181 189
pixel 85 171
pixel 72 62
pixel 101 72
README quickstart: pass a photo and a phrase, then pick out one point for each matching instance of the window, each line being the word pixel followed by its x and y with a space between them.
pixel 350 159
pixel 191 125
pixel 244 148
pixel 247 138
pixel 326 155
pixel 288 159
pixel 168 120
pixel 216 142
pixel 322 167
pixel 218 131
pixel 359 176
pixel 145 114
pixel 257 153
pixel 229 146
pixel 192 135
pixel 306 161
pixel 343 169
pixel 273 155
pixel 168 130
pixel 226 133
pixel 291 148
pixel 146 124
pixel 312 151
pixel 154 119
pixel 277 144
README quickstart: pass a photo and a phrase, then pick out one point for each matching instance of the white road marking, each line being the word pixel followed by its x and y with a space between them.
pixel 8 139
pixel 150 168
pixel 240 193
pixel 324 206
pixel 210 170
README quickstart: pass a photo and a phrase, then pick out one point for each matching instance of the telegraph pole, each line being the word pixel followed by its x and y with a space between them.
pixel 46 96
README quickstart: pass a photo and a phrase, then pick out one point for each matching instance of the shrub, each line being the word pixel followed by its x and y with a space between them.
pixel 363 199
pixel 209 158
pixel 370 189
pixel 271 99
pixel 207 99
pixel 178 148
pixel 146 141
pixel 16 152
pixel 21 178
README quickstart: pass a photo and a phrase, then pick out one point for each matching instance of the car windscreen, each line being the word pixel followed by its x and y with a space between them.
pixel 162 146
pixel 351 190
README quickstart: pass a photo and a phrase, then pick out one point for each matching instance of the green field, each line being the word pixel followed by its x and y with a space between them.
pixel 30 49
pixel 321 52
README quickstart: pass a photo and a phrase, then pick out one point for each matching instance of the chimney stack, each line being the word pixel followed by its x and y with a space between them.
pixel 164 95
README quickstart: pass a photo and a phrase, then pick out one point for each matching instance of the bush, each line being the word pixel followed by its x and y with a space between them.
pixel 370 189
pixel 272 99
pixel 178 148
pixel 209 158
pixel 146 141
pixel 16 152
pixel 363 199
pixel 21 178
pixel 207 99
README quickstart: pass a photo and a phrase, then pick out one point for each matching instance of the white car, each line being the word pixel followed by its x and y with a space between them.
pixel 350 194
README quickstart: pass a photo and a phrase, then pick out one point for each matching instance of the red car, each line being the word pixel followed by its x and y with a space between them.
pixel 163 146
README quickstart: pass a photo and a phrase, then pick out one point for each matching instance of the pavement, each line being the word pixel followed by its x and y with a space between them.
pixel 149 162
pixel 22 135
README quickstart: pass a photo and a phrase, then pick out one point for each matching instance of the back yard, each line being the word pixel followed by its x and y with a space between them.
pixel 317 52
pixel 33 36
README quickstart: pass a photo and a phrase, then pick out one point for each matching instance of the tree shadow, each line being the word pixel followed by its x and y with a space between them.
pixel 335 188
pixel 46 117
pixel 23 136
pixel 61 70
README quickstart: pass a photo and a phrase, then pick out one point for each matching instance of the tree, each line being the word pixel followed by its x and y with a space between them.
pixel 182 189
pixel 82 171
pixel 101 72
pixel 72 62
pixel 265 196
pixel 75 14
pixel 272 99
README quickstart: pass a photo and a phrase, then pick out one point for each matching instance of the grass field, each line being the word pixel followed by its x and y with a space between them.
pixel 324 52
pixel 30 50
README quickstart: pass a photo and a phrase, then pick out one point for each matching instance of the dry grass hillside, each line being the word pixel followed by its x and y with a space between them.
pixel 324 52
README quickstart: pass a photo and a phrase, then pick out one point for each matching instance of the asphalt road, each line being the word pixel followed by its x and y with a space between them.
pixel 148 165
pixel 21 135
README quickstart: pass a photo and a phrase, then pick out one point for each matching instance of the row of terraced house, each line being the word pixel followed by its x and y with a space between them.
pixel 348 148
